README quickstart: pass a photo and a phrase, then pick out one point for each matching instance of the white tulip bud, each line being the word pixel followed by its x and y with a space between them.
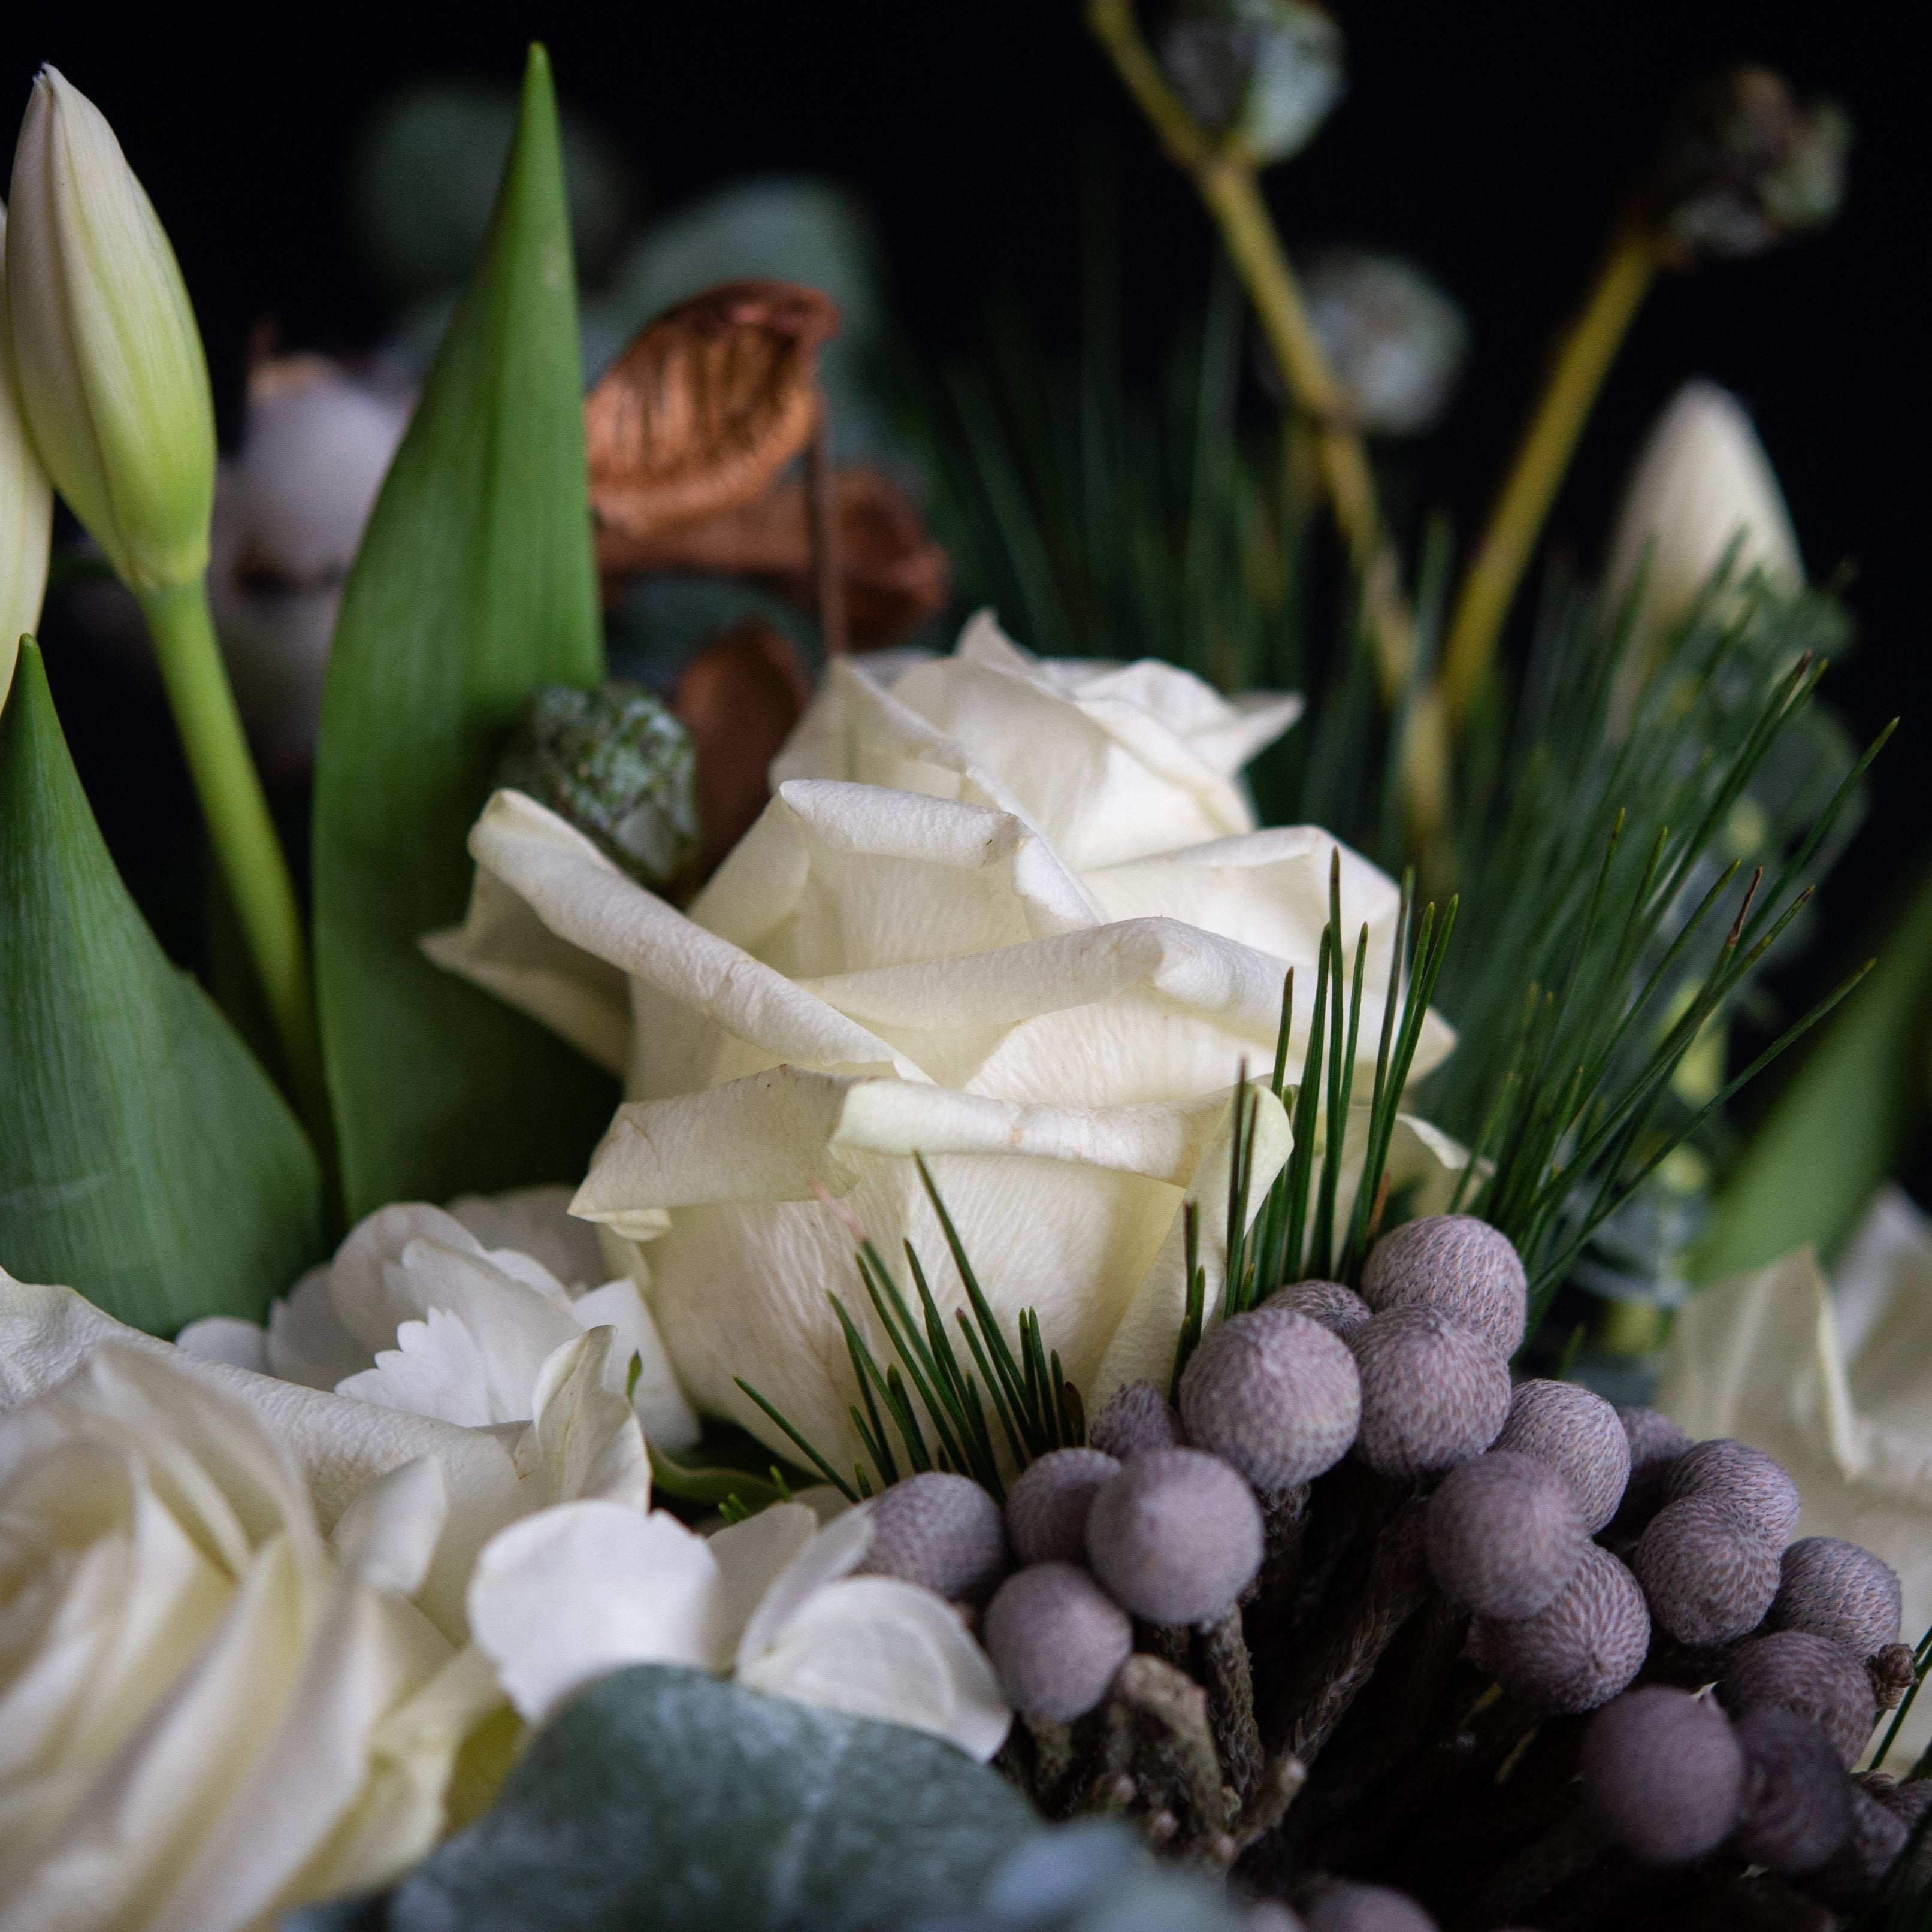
pixel 113 384
pixel 26 505
pixel 1702 480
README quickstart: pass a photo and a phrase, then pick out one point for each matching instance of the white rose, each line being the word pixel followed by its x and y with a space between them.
pixel 415 1313
pixel 1834 1379
pixel 1014 915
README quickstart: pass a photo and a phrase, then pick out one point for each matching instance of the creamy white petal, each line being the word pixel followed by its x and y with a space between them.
pixel 388 1535
pixel 666 1418
pixel 225 1338
pixel 537 1222
pixel 436 1369
pixel 307 1343
pixel 584 1440
pixel 752 1554
pixel 835 1551
pixel 369 1301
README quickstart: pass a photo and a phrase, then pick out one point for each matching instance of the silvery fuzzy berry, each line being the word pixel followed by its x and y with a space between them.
pixel 1056 1640
pixel 1340 1310
pixel 1503 1535
pixel 1176 1536
pixel 1047 1504
pixel 1709 1577
pixel 1835 1589
pixel 1134 1418
pixel 1349 1907
pixel 942 1532
pixel 1274 1394
pixel 1752 1486
pixel 1578 1434
pixel 1655 1443
pixel 1580 1651
pixel 1456 1265
pixel 1812 1675
pixel 1856 1869
pixel 1662 1775
pixel 1797 1805
pixel 1435 1392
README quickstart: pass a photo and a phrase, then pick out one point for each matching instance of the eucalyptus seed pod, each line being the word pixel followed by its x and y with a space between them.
pixel 1047 1504
pixel 1056 1639
pixel 1581 1651
pixel 1655 1443
pixel 1577 1433
pixel 1835 1589
pixel 1503 1535
pixel 1709 1577
pixel 1857 1869
pixel 1810 1674
pixel 1340 1310
pixel 1662 1775
pixel 1349 1907
pixel 942 1532
pixel 1797 1805
pixel 1274 1394
pixel 1176 1536
pixel 1135 1417
pixel 1435 1392
pixel 1456 1265
pixel 1754 1487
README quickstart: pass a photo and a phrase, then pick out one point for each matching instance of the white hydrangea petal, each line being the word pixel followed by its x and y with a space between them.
pixel 388 1535
pixel 583 1439
pixel 668 1419
pixel 835 1551
pixel 751 1556
pixel 435 1370
pixel 306 1341
pixel 536 1221
pixel 226 1338
pixel 370 1302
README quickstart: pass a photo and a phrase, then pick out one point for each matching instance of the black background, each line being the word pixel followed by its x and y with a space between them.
pixel 1492 142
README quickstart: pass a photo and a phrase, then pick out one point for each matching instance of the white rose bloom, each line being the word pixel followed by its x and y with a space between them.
pixel 1013 914
pixel 575 1592
pixel 415 1313
pixel 1834 1379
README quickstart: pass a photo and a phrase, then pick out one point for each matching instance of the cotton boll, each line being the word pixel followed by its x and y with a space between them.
pixel 1349 1907
pixel 1709 1577
pixel 1797 1804
pixel 1048 1501
pixel 1810 1674
pixel 1503 1535
pixel 1834 1589
pixel 1135 1417
pixel 1576 1433
pixel 941 1531
pixel 1580 1651
pixel 1056 1639
pixel 1176 1536
pixel 1434 1393
pixel 1655 1443
pixel 1274 1394
pixel 1662 1775
pixel 1455 1265
pixel 1754 1487
pixel 1340 1310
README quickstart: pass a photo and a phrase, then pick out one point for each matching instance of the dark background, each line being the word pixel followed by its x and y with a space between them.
pixel 1492 142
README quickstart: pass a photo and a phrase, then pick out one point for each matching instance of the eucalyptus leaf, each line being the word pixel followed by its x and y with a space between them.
pixel 662 1797
pixel 475 586
pixel 147 1159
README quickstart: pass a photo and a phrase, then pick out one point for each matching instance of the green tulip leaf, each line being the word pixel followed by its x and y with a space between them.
pixel 146 1159
pixel 475 586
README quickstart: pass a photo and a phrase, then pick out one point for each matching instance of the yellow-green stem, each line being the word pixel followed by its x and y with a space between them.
pixel 1582 362
pixel 240 830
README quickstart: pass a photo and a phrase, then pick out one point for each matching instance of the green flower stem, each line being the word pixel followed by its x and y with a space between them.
pixel 243 834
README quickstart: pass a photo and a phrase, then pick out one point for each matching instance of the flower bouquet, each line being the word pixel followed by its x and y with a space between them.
pixel 854 1299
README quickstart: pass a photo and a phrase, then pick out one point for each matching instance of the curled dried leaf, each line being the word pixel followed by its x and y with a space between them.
pixel 705 408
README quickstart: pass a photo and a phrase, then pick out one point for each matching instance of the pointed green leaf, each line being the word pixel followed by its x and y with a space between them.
pixel 146 1159
pixel 474 585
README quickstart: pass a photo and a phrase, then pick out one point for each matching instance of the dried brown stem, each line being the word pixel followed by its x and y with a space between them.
pixel 1172 1746
pixel 1231 1700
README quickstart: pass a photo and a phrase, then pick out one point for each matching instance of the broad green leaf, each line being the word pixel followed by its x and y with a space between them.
pixel 145 1159
pixel 662 1797
pixel 1836 1132
pixel 474 585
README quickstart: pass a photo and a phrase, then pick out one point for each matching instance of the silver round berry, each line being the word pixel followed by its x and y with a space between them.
pixel 1056 1639
pixel 1662 1776
pixel 1577 1433
pixel 1176 1536
pixel 1435 1392
pixel 941 1531
pixel 1655 1442
pixel 1580 1651
pixel 1812 1675
pixel 1340 1310
pixel 1503 1535
pixel 1709 1577
pixel 1797 1807
pixel 1274 1394
pixel 1047 1504
pixel 1349 1907
pixel 1835 1589
pixel 1456 1265
pixel 1134 1418
pixel 1752 1486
